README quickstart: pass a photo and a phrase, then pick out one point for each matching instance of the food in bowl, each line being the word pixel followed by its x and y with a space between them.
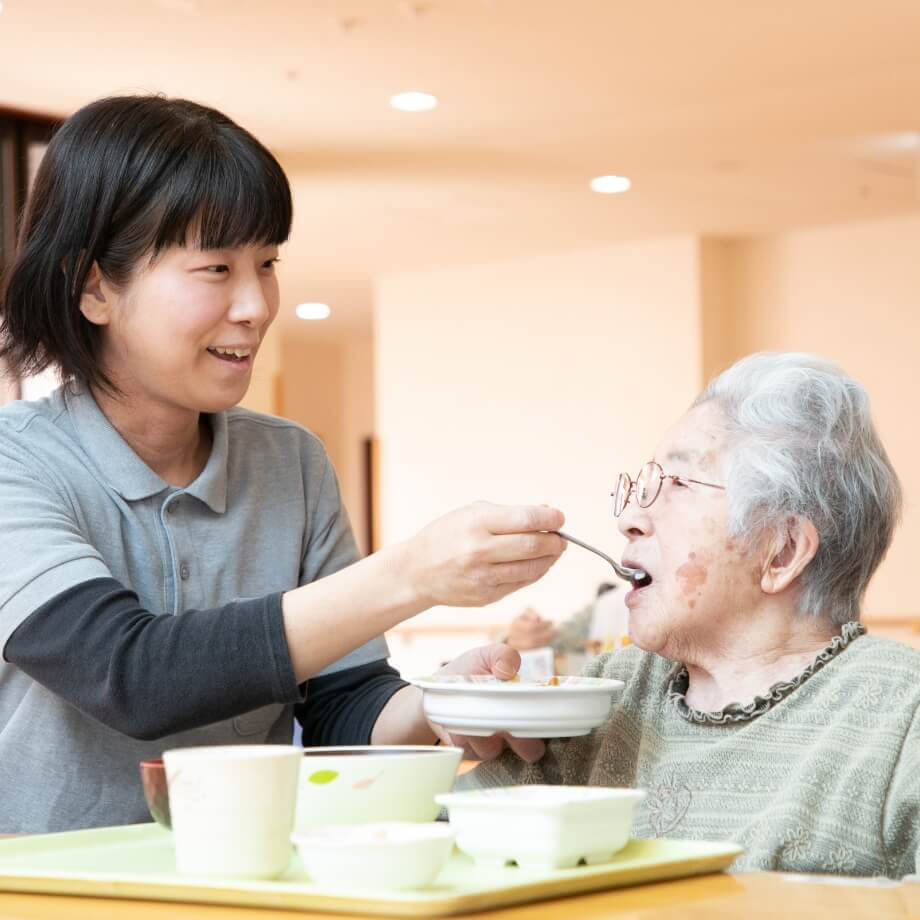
pixel 542 827
pixel 388 855
pixel 156 794
pixel 373 783
pixel 554 707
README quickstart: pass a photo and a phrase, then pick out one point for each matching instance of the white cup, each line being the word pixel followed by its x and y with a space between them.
pixel 232 808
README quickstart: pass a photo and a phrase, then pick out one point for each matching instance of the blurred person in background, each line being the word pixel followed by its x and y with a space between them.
pixel 574 635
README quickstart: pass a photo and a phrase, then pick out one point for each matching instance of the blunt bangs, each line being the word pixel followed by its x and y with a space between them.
pixel 123 179
pixel 220 196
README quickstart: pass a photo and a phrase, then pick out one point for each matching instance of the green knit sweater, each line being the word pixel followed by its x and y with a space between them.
pixel 820 775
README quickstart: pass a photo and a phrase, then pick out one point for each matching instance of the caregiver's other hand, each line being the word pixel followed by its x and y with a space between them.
pixel 502 662
pixel 478 554
pixel 529 630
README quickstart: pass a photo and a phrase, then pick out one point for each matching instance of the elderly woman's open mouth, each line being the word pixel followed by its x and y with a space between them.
pixel 642 577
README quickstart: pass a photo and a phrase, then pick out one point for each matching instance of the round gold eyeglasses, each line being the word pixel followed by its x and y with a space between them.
pixel 647 486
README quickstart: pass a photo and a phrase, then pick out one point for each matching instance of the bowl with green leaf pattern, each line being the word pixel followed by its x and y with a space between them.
pixel 360 784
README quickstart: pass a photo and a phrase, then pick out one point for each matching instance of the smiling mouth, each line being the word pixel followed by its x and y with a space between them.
pixel 231 355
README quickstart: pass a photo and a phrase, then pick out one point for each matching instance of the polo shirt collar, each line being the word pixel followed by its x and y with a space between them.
pixel 121 467
pixel 211 485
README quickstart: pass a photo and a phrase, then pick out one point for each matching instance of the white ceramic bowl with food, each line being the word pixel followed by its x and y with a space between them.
pixel 555 707
pixel 382 856
pixel 542 827
pixel 363 783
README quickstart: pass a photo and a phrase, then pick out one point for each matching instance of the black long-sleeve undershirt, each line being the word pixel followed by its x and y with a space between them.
pixel 149 676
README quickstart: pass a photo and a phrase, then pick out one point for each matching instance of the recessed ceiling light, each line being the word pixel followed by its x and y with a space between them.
pixel 610 185
pixel 312 311
pixel 414 101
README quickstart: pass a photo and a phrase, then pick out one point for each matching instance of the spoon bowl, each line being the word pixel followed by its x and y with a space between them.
pixel 639 578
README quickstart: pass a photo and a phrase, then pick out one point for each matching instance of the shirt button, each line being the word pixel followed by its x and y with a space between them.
pixel 171 507
pixel 184 571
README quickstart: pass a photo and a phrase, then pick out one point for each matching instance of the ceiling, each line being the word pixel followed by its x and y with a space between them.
pixel 731 117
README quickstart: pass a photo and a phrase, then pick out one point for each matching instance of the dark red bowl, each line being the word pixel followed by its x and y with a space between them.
pixel 153 778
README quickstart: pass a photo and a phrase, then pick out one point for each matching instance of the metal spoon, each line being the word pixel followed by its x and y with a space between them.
pixel 639 577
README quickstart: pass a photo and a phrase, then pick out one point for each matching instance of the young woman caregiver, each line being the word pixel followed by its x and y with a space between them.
pixel 173 570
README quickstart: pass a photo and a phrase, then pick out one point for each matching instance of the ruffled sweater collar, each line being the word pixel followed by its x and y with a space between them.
pixel 736 712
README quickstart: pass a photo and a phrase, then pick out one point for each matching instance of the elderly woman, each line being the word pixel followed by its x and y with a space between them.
pixel 756 709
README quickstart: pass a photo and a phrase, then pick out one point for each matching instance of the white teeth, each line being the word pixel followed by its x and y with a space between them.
pixel 238 352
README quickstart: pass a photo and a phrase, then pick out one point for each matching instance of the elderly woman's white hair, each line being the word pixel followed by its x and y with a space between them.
pixel 802 443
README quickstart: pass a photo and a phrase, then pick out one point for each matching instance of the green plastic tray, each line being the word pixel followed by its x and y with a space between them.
pixel 137 861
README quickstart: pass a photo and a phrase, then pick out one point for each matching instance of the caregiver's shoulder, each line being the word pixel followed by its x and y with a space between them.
pixel 33 426
pixel 248 427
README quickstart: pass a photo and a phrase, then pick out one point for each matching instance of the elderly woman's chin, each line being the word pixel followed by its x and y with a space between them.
pixel 650 625
pixel 666 624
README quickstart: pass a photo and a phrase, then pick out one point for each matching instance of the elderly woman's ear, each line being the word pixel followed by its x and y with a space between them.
pixel 788 554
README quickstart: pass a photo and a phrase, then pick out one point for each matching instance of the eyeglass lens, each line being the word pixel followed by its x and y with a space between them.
pixel 647 486
pixel 621 494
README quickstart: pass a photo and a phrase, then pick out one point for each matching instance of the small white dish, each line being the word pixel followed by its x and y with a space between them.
pixel 542 827
pixel 555 707
pixel 387 855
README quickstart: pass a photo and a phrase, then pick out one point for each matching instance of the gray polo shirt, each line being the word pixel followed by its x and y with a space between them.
pixel 79 508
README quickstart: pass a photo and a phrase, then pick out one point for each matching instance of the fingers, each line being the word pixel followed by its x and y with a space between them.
pixel 512 519
pixel 528 749
pixel 487 748
pixel 485 659
pixel 501 660
pixel 518 546
pixel 475 748
pixel 525 572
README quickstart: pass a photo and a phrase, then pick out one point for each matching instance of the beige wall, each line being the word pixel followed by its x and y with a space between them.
pixel 357 425
pixel 522 382
pixel 503 381
pixel 329 389
pixel 851 292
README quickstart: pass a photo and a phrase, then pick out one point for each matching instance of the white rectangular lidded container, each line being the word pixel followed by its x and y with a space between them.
pixel 542 827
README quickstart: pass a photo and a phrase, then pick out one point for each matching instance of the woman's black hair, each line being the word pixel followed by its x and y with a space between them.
pixel 122 179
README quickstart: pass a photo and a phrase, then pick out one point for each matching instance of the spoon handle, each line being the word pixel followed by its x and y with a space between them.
pixel 625 573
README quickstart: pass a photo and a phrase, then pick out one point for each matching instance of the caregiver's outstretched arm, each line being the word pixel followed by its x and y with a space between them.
pixel 467 558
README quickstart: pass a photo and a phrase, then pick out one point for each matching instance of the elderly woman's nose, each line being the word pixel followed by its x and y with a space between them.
pixel 634 521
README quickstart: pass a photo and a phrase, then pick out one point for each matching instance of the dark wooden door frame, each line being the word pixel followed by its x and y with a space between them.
pixel 18 132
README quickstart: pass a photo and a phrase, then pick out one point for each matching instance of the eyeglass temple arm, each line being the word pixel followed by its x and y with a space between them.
pixel 627 574
pixel 696 482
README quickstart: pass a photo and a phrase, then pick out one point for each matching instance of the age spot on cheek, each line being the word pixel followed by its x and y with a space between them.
pixel 692 574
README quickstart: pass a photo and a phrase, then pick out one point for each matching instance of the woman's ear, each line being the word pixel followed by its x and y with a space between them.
pixel 788 555
pixel 93 303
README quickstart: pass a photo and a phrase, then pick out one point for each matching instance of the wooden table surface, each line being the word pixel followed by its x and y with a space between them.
pixel 749 896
